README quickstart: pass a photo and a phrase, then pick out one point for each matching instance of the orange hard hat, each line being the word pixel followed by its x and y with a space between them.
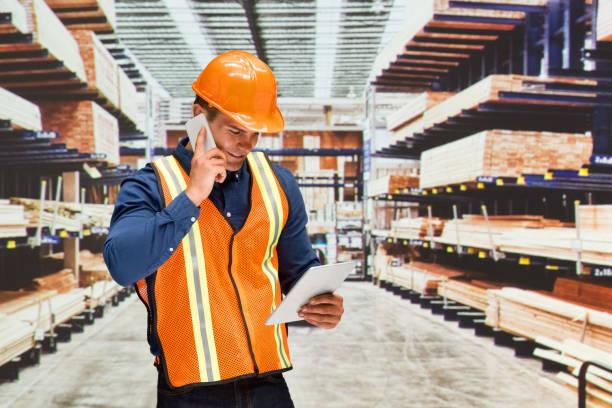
pixel 243 87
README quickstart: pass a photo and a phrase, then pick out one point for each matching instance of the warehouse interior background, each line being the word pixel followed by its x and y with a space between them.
pixel 459 151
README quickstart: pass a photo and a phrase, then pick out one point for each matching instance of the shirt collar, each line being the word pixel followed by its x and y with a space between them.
pixel 185 157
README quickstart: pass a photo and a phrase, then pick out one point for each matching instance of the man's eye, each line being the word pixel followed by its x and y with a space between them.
pixel 234 132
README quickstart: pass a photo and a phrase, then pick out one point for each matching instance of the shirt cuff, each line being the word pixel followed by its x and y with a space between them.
pixel 182 207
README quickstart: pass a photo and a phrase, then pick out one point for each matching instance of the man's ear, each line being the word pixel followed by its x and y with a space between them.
pixel 197 109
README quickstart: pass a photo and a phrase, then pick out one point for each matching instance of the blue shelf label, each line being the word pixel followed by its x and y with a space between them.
pixel 486 179
pixel 601 159
pixel 49 239
pixel 602 272
pixel 99 230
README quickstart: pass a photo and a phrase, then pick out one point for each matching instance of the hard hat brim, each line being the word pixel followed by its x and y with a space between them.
pixel 271 123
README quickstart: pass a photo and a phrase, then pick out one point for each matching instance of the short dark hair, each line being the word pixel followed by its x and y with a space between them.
pixel 211 111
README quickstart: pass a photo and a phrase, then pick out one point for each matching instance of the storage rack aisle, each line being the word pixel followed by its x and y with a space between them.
pixel 65 103
pixel 513 193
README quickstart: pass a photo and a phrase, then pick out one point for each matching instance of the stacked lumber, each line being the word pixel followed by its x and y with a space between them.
pixel 486 90
pixel 128 97
pixel 416 228
pixel 74 12
pixel 12 220
pixel 604 20
pixel 18 19
pixel 530 314
pixel 62 282
pixel 100 67
pixel 594 293
pixel 595 217
pixel 391 184
pixel 470 292
pixel 50 33
pixel 12 301
pixel 66 217
pixel 100 292
pixel 16 337
pixel 503 153
pixel 416 108
pixel 573 354
pixel 93 268
pixel 22 113
pixel 53 310
pixel 422 277
pixel 559 243
pixel 474 231
pixel 84 126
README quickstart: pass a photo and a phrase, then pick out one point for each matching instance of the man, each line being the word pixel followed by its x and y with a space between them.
pixel 210 239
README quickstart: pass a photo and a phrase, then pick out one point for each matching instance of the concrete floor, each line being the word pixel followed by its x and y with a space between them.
pixel 385 353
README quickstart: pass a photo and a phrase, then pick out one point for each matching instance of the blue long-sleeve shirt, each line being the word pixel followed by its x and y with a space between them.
pixel 144 233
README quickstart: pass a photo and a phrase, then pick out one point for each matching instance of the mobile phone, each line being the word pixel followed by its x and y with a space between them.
pixel 193 127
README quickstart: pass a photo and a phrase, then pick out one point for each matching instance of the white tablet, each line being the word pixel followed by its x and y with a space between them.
pixel 316 281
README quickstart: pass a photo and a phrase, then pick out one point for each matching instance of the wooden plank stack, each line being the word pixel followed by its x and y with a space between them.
pixel 50 33
pixel 12 220
pixel 530 314
pixel 84 126
pixel 93 269
pixel 473 293
pixel 128 97
pixel 503 153
pixel 595 217
pixel 67 218
pixel 416 108
pixel 604 20
pixel 18 23
pixel 573 354
pixel 61 282
pixel 100 292
pixel 103 11
pixel 23 114
pixel 486 90
pixel 100 67
pixel 416 228
pixel 594 292
pixel 391 184
pixel 55 310
pixel 16 337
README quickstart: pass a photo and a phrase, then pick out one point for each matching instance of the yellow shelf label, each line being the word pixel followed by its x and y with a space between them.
pixel 463 188
pixel 434 191
pixel 548 176
pixel 425 245
pixel 520 180
pixel 499 182
pixel 471 251
pixel 63 234
pixel 86 232
pixel 480 186
pixel 424 192
pixel 482 254
pixel 583 172
pixel 389 197
pixel 389 239
pixel 449 189
pixel 523 260
pixel 405 242
pixel 450 249
pixel 552 267
pixel 397 191
pixel 405 190
pixel 11 244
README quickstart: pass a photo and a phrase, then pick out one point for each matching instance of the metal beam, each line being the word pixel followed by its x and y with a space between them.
pixel 249 10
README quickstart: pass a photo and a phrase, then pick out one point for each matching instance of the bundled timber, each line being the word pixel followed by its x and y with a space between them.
pixel 484 91
pixel 18 20
pixel 66 218
pixel 604 20
pixel 53 310
pixel 80 14
pixel 594 293
pixel 422 277
pixel 595 217
pixel 416 108
pixel 62 282
pixel 100 292
pixel 93 268
pixel 573 354
pixel 128 97
pixel 13 301
pixel 473 293
pixel 416 228
pixel 84 126
pixel 100 67
pixel 530 314
pixel 391 184
pixel 16 337
pixel 12 220
pixel 50 33
pixel 22 113
pixel 503 153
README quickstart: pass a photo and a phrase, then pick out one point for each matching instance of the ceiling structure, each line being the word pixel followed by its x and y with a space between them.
pixel 316 48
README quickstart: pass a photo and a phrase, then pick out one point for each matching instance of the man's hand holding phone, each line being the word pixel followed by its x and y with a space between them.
pixel 206 168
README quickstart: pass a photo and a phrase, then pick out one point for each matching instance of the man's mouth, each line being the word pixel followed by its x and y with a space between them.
pixel 236 156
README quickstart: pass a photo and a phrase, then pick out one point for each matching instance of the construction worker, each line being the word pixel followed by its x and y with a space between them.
pixel 211 239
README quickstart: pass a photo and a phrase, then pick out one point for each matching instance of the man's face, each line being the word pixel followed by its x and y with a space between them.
pixel 232 139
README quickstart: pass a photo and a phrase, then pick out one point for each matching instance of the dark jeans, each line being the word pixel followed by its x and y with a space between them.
pixel 264 392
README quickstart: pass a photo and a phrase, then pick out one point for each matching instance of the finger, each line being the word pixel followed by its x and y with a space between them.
pixel 329 298
pixel 323 309
pixel 216 153
pixel 321 322
pixel 199 147
pixel 221 175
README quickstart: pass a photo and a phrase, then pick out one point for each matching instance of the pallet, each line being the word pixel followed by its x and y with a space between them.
pixel 503 153
pixel 84 126
pixel 100 67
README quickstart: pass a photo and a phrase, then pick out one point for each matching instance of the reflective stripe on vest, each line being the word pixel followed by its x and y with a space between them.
pixel 214 293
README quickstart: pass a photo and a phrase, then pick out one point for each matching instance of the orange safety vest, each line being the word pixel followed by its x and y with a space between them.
pixel 211 298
